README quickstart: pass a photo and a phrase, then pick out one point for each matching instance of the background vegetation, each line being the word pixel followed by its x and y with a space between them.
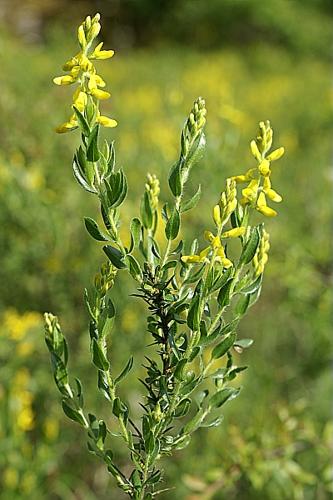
pixel 251 61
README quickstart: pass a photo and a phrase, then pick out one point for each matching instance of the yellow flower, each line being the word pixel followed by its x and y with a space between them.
pixel 64 80
pixel 67 126
pixel 222 259
pixel 80 100
pixel 275 155
pixel 217 215
pixel 214 241
pixel 82 71
pixel 255 151
pixel 101 54
pixel 264 167
pixel 106 121
pixel 262 206
pixel 272 195
pixel 250 193
pixel 100 94
pixel 234 233
pixel 196 259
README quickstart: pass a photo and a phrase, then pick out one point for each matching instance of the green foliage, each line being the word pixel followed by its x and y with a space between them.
pixel 48 272
pixel 179 312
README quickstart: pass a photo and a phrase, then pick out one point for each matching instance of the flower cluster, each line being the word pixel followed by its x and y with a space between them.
pixel 261 257
pixel 221 215
pixel 152 187
pixel 194 125
pixel 82 71
pixel 259 183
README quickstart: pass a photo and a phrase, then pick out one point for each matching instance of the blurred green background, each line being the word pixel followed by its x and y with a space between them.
pixel 251 60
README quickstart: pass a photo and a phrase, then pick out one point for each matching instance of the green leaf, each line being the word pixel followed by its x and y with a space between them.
pixel 175 179
pixel 115 256
pixel 196 152
pixel 146 211
pixel 224 346
pixel 125 371
pixel 242 305
pixel 72 414
pixel 99 358
pixel 253 287
pixel 250 247
pixel 80 177
pixel 192 202
pixel 196 421
pixel 193 316
pixel 173 225
pixel 136 229
pixel 83 124
pixel 223 396
pixel 92 147
pixel 221 279
pixel 213 423
pixel 223 297
pixel 195 274
pixel 179 371
pixel 133 267
pixel 115 189
pixel 94 230
pixel 183 408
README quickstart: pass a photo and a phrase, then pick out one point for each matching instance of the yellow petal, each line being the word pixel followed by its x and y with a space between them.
pixel 104 54
pixel 240 178
pixel 255 151
pixel 203 254
pixel 66 127
pixel 275 155
pixel 63 80
pixel 226 263
pixel 81 101
pixel 99 81
pixel 261 200
pixel 190 259
pixel 264 167
pixel 100 94
pixel 217 215
pixel 81 36
pixel 273 195
pixel 269 212
pixel 106 122
pixel 234 233
pixel 208 236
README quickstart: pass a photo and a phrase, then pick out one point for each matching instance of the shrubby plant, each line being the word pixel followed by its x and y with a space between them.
pixel 195 296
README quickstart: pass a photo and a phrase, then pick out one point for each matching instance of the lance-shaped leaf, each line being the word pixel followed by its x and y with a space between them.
pixel 146 211
pixel 83 124
pixel 133 267
pixel 72 414
pixel 115 256
pixel 223 297
pixel 192 202
pixel 94 230
pixel 136 233
pixel 80 176
pixel 98 355
pixel 173 225
pixel 223 396
pixel 193 316
pixel 125 371
pixel 242 304
pixel 224 346
pixel 93 153
pixel 175 179
pixel 250 247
